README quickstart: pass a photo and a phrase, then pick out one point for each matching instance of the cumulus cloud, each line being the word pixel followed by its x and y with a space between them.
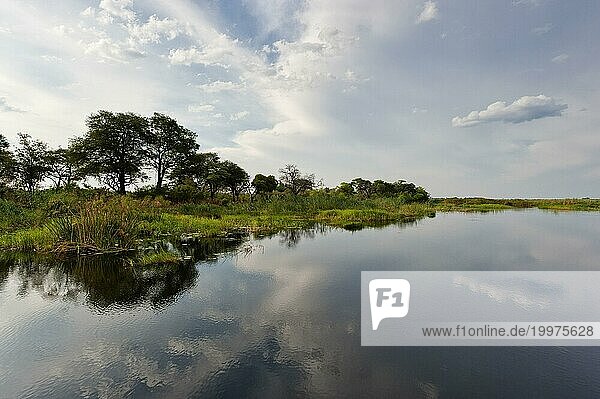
pixel 239 115
pixel 106 48
pixel 117 8
pixel 201 108
pixel 218 86
pixel 51 58
pixel 6 107
pixel 560 59
pixel 524 109
pixel 213 54
pixel 430 12
pixel 154 30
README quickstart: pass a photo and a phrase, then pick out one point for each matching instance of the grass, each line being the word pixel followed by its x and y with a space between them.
pixel 160 258
pixel 27 240
pixel 97 227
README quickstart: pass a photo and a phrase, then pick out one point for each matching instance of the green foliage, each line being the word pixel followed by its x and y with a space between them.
pixel 31 162
pixel 64 167
pixel 234 177
pixel 407 192
pixel 346 188
pixel 185 193
pixel 98 226
pixel 32 239
pixel 113 148
pixel 158 258
pixel 7 165
pixel 167 144
pixel 264 184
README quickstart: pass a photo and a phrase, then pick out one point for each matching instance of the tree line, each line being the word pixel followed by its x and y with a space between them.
pixel 120 150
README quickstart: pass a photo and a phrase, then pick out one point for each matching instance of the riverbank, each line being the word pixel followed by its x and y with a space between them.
pixel 84 222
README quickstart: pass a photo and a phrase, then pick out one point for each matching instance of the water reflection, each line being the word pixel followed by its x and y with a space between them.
pixel 282 321
pixel 109 281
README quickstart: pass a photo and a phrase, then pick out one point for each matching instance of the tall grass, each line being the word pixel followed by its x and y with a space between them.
pixel 28 240
pixel 98 226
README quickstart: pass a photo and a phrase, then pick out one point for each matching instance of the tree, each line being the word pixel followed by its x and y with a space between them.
pixel 64 168
pixel 294 180
pixel 200 169
pixel 31 162
pixel 113 148
pixel 166 144
pixel 363 187
pixel 7 163
pixel 234 177
pixel 213 179
pixel 384 189
pixel 346 188
pixel 264 184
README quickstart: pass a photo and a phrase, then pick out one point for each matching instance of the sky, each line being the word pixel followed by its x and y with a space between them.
pixel 492 98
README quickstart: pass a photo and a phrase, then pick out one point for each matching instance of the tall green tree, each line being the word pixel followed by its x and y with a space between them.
pixel 200 169
pixel 166 144
pixel 112 150
pixel 7 163
pixel 363 187
pixel 31 162
pixel 264 184
pixel 235 178
pixel 345 188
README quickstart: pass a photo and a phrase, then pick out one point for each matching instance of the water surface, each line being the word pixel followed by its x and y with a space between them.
pixel 280 317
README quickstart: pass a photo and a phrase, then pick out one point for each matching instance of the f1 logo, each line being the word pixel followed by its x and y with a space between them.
pixel 388 298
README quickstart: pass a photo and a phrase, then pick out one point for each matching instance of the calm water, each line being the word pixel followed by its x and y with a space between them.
pixel 279 317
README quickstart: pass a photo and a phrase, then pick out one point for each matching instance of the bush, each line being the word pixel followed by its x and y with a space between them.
pixel 98 226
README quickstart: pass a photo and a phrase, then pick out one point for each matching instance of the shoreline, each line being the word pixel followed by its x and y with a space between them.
pixel 119 224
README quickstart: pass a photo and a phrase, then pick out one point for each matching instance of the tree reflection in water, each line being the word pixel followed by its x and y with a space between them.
pixel 107 282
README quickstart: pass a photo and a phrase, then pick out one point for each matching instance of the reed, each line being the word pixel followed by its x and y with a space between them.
pixel 97 227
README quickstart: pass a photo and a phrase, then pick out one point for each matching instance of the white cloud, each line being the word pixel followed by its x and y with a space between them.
pixel 61 30
pixel 430 12
pixel 239 115
pixel 560 59
pixel 6 107
pixel 524 109
pixel 154 30
pixel 5 31
pixel 218 53
pixel 116 8
pixel 219 86
pixel 89 12
pixel 201 108
pixel 107 49
pixel 51 59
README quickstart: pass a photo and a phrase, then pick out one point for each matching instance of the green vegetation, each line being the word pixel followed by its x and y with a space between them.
pixel 93 221
pixel 159 258
pixel 486 204
pixel 75 200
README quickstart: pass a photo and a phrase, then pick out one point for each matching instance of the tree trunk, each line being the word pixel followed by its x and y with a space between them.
pixel 159 181
pixel 122 183
pixel 159 175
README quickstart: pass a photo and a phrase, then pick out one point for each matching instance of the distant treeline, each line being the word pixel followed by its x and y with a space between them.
pixel 120 150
